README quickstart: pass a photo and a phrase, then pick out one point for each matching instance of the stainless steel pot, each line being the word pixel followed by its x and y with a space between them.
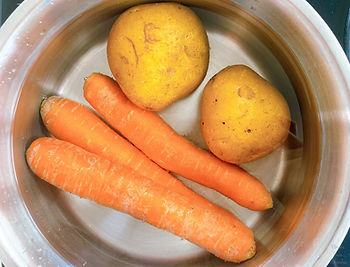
pixel 48 47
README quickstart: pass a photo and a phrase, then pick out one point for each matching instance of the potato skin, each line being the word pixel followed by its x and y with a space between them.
pixel 243 117
pixel 158 53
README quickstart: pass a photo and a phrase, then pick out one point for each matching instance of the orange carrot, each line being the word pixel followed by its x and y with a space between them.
pixel 147 131
pixel 88 175
pixel 70 121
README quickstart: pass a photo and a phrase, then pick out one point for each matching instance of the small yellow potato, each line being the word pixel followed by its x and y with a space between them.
pixel 158 53
pixel 243 116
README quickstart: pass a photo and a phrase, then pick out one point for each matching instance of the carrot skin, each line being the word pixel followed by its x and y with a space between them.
pixel 88 175
pixel 147 131
pixel 72 122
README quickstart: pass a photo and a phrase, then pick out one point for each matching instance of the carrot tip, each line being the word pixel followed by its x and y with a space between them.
pixel 251 252
pixel 43 100
pixel 270 205
pixel 269 202
pixel 45 105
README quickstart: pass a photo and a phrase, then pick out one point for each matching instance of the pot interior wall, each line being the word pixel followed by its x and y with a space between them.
pixel 84 233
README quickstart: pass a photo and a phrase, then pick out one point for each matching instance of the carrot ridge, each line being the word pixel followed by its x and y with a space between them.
pixel 91 176
pixel 148 132
pixel 72 122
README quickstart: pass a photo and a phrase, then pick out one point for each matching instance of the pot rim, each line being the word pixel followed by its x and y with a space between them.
pixel 334 51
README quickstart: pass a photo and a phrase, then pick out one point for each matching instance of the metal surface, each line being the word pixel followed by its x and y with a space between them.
pixel 49 47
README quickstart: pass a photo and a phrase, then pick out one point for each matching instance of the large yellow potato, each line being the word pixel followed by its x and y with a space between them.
pixel 158 53
pixel 243 117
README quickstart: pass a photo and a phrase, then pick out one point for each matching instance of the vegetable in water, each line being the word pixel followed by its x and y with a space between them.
pixel 87 175
pixel 158 53
pixel 72 122
pixel 148 132
pixel 243 116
